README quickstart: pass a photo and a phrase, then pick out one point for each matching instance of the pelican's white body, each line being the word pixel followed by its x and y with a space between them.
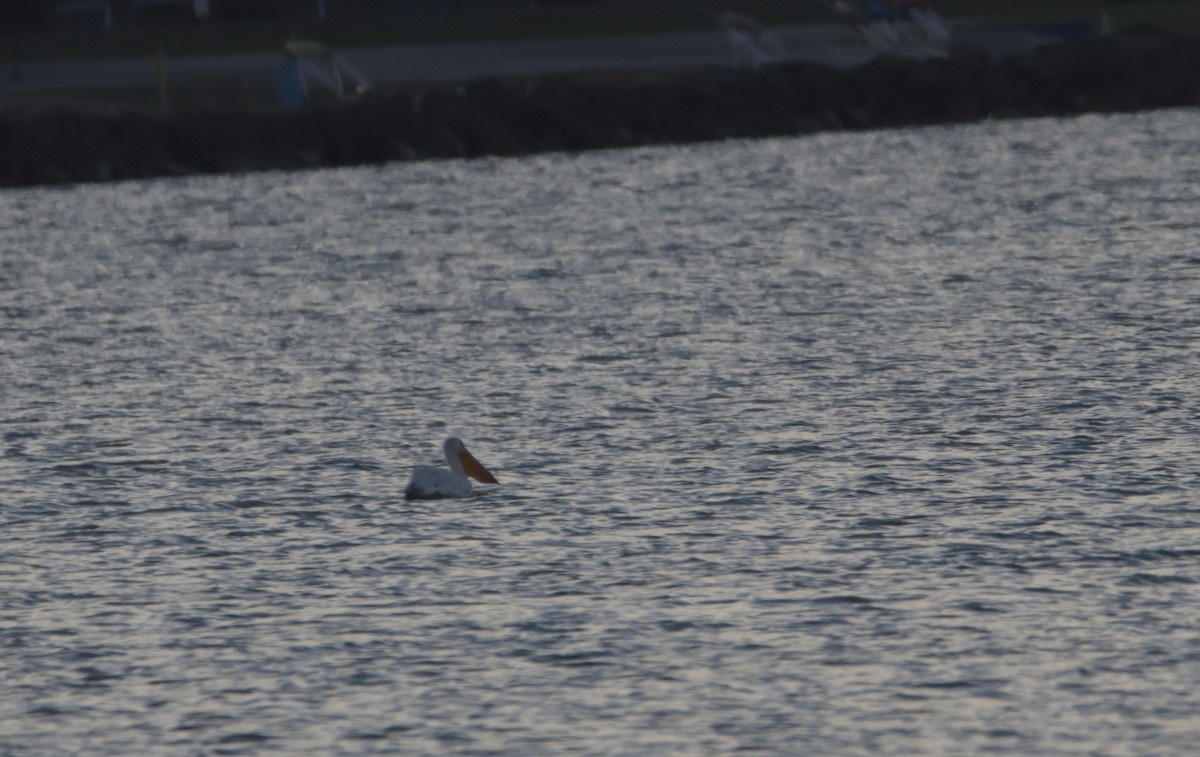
pixel 432 482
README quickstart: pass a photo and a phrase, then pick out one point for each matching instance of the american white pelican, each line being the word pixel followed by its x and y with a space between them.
pixel 432 482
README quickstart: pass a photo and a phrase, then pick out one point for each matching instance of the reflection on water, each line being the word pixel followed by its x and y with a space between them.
pixel 853 443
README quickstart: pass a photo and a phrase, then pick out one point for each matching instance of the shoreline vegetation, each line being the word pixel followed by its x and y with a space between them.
pixel 1139 67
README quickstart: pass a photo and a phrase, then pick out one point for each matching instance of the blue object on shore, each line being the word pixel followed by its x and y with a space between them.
pixel 1080 28
pixel 880 12
pixel 289 84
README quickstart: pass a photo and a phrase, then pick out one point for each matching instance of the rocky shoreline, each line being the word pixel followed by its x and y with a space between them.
pixel 1135 70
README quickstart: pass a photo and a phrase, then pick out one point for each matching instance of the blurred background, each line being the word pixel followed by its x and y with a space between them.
pixel 49 28
pixel 161 31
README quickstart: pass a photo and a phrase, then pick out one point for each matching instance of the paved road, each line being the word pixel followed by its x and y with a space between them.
pixel 253 73
pixel 429 63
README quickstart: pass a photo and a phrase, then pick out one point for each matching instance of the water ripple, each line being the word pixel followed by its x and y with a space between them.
pixel 795 456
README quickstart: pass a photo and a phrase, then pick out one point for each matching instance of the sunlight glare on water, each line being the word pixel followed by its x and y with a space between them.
pixel 855 443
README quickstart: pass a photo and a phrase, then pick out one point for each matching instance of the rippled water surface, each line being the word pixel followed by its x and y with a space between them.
pixel 878 443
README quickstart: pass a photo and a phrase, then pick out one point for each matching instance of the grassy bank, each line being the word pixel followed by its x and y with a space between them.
pixel 563 22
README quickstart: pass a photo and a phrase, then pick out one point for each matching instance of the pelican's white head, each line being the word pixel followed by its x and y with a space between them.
pixel 451 447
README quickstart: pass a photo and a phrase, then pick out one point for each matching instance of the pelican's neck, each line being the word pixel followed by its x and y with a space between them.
pixel 452 461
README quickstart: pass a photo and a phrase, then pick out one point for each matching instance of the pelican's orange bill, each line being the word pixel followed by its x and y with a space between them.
pixel 475 469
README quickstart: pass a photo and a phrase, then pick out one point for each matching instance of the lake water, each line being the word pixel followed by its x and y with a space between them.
pixel 875 443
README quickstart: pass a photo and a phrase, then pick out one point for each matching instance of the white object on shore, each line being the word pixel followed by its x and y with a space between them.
pixel 753 46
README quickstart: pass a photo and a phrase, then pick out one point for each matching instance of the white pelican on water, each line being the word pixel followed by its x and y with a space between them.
pixel 432 482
